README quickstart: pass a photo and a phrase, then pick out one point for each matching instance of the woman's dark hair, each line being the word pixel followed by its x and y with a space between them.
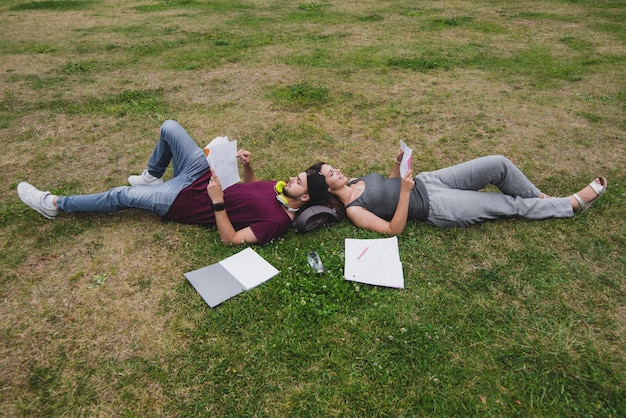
pixel 332 201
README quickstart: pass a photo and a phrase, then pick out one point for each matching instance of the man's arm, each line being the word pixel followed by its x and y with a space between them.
pixel 225 228
pixel 227 233
pixel 248 174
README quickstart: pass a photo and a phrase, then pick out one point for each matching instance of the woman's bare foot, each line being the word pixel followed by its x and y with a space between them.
pixel 582 200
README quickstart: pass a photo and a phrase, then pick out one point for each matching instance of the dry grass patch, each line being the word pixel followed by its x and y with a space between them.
pixel 99 297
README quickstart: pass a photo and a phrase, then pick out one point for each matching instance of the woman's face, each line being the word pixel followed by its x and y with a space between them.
pixel 334 178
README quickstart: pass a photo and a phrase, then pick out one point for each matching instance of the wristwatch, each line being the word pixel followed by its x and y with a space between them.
pixel 218 206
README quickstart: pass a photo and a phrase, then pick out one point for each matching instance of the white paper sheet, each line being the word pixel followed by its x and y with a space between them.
pixel 374 261
pixel 222 157
pixel 405 164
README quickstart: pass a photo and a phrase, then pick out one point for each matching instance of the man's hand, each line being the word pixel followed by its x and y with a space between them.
pixel 244 157
pixel 214 189
pixel 225 228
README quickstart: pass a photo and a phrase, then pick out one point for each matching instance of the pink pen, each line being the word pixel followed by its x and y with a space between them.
pixel 364 251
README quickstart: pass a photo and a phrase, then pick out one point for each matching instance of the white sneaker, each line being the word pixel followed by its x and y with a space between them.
pixel 144 179
pixel 35 199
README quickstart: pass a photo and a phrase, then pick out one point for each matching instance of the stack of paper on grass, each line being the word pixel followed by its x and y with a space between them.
pixel 374 261
pixel 231 276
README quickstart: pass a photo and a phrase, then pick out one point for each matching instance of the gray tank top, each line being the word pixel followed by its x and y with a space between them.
pixel 381 197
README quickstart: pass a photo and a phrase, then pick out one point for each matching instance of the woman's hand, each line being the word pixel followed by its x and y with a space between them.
pixel 407 182
pixel 395 173
pixel 399 156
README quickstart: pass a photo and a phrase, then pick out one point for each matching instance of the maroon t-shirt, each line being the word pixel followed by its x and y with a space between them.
pixel 247 204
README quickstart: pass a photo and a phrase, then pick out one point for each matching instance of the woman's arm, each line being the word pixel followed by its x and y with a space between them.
pixel 395 173
pixel 365 219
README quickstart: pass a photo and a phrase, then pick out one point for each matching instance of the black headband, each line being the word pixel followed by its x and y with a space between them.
pixel 318 190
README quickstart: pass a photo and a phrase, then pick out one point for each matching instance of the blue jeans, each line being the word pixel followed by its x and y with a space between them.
pixel 176 146
pixel 455 199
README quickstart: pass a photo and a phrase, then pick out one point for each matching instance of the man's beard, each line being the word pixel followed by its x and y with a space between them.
pixel 288 194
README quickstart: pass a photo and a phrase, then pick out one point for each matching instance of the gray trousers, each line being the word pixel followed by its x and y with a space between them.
pixel 455 199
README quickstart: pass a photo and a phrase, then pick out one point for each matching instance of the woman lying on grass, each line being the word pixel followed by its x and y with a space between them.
pixel 450 196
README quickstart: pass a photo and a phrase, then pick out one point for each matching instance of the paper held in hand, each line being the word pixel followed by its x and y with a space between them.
pixel 221 155
pixel 405 164
pixel 374 261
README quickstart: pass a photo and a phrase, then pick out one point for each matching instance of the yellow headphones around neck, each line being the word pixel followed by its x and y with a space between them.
pixel 278 188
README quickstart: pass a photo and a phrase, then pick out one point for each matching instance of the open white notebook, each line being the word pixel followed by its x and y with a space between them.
pixel 374 261
pixel 231 276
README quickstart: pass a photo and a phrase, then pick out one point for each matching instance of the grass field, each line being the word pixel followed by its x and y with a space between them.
pixel 508 318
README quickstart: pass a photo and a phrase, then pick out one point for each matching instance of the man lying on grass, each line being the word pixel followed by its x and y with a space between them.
pixel 244 213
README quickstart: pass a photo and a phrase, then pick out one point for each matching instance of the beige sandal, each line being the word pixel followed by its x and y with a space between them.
pixel 598 188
